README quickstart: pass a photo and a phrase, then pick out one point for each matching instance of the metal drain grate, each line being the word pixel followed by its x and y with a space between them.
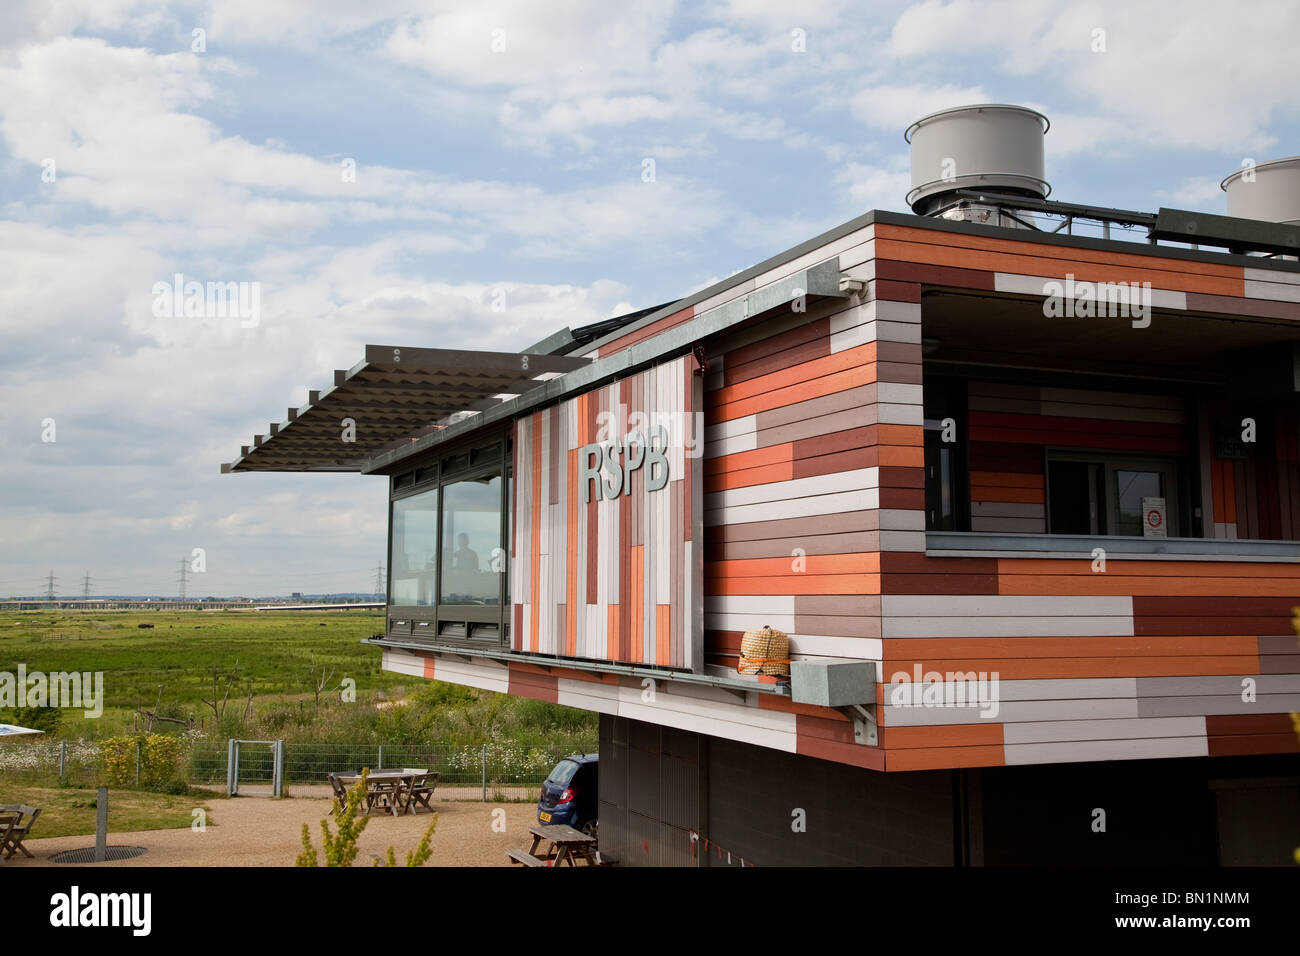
pixel 88 855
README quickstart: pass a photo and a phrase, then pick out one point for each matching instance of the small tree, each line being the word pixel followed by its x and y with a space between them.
pixel 341 849
pixel 320 678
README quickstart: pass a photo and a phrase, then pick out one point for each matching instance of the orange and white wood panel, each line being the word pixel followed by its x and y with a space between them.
pixel 605 557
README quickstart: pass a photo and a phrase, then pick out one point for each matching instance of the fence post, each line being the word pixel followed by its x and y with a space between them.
pixel 277 769
pixel 101 825
pixel 137 764
pixel 485 773
pixel 380 765
pixel 230 767
pixel 63 758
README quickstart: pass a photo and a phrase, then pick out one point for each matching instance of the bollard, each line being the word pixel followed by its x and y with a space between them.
pixel 101 825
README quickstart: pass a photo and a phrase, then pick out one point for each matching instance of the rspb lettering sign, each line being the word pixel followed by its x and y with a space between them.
pixel 609 465
pixel 607 557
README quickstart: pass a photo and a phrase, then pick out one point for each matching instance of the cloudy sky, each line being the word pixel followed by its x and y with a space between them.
pixel 496 145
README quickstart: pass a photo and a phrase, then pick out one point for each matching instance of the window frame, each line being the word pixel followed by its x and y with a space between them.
pixel 455 625
pixel 946 397
pixel 1111 462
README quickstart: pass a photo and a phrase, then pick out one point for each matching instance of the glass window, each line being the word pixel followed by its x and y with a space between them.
pixel 947 496
pixel 510 528
pixel 1130 488
pixel 1075 492
pixel 563 773
pixel 472 557
pixel 415 549
pixel 449 557
pixel 1096 493
pixel 940 484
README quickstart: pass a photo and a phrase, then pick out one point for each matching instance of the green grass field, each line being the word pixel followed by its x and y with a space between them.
pixel 69 812
pixel 273 650
pixel 274 653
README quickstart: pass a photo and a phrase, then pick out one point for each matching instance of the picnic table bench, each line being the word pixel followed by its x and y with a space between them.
pixel 13 830
pixel 566 845
pixel 396 791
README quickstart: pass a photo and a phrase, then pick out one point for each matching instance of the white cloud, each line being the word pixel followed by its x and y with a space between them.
pixel 894 107
pixel 1195 192
pixel 875 187
pixel 477 171
pixel 1193 77
pixel 128 146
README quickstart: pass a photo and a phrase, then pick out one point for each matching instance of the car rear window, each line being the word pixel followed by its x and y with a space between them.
pixel 563 773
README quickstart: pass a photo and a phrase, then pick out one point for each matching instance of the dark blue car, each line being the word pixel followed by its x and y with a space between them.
pixel 570 793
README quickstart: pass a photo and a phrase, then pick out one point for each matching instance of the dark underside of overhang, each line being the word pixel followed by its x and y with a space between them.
pixel 392 396
pixel 978 329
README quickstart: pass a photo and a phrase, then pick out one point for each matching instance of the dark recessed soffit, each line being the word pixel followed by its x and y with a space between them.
pixel 391 396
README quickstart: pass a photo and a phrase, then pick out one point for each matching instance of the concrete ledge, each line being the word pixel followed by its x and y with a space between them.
pixel 967 544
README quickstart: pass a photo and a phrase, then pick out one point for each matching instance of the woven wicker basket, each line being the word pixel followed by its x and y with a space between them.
pixel 765 650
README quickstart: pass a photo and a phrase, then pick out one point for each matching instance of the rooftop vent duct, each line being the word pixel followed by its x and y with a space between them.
pixel 991 147
pixel 1268 191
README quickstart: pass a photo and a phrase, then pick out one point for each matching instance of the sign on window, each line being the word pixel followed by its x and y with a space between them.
pixel 1153 518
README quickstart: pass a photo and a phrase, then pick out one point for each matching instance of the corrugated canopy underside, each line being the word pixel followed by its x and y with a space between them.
pixel 389 397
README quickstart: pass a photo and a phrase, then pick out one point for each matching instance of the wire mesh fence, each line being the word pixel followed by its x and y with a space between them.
pixel 488 766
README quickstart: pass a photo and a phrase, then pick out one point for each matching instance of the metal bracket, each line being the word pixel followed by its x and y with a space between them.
pixel 740 695
pixel 864 723
pixel 701 360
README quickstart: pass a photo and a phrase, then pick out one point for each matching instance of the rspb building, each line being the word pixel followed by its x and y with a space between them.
pixel 1018 478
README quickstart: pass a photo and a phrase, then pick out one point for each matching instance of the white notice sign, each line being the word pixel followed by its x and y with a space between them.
pixel 1153 518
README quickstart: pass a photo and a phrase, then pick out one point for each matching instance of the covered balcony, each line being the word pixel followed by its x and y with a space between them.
pixel 1172 431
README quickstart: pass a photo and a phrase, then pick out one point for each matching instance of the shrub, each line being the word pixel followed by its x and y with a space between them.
pixel 341 849
pixel 36 718
pixel 117 760
pixel 159 758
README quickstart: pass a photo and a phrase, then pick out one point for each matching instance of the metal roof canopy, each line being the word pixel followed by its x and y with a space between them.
pixel 392 395
pixel 815 282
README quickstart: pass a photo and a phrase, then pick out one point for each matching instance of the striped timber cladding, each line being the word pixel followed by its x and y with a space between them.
pixel 1149 658
pixel 615 579
pixel 813 452
pixel 1257 497
pixel 802 447
pixel 1011 425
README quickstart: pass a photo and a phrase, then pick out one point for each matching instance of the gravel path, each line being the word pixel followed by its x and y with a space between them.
pixel 258 831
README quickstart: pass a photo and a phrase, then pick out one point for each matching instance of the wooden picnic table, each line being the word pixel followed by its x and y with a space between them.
pixel 567 845
pixel 396 790
pixel 13 830
pixel 8 823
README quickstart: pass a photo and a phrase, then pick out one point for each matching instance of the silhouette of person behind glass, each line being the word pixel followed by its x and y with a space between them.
pixel 464 558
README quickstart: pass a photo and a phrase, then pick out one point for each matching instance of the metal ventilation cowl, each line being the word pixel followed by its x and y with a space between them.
pixel 990 146
pixel 1269 191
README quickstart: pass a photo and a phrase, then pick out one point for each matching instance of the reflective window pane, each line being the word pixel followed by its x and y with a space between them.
pixel 1130 488
pixel 472 557
pixel 415 549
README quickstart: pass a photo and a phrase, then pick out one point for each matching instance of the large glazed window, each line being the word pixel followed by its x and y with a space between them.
pixel 448 548
pixel 415 549
pixel 472 556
